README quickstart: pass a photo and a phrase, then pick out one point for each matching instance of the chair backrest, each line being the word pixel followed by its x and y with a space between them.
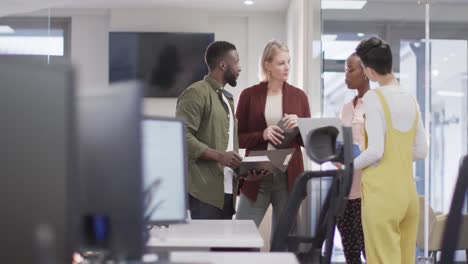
pixel 432 220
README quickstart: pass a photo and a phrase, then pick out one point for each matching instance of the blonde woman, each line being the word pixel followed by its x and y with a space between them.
pixel 259 110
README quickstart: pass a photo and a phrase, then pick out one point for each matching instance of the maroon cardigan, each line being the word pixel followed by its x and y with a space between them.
pixel 250 114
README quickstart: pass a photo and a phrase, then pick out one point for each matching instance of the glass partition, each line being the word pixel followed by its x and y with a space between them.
pixel 402 25
pixel 449 102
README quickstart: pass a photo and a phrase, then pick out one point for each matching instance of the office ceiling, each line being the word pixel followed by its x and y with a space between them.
pixel 237 5
pixel 21 6
pixel 8 7
pixel 416 1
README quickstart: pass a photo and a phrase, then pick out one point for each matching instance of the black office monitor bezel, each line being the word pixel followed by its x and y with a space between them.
pixel 38 190
pixel 109 154
pixel 184 149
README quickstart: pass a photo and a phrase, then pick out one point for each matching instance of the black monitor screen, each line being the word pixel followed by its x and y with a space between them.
pixel 109 133
pixel 167 63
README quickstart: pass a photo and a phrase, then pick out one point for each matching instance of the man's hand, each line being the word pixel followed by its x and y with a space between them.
pixel 226 158
pixel 230 159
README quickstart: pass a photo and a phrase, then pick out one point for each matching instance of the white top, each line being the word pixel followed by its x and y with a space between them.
pixel 273 111
pixel 228 172
pixel 205 234
pixel 354 117
pixel 402 112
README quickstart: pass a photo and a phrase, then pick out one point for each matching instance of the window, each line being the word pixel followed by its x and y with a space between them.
pixel 31 39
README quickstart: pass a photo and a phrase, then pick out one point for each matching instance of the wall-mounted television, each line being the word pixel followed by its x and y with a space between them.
pixel 167 63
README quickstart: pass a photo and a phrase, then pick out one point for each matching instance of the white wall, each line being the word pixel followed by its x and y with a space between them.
pixel 89 49
pixel 261 29
pixel 303 27
pixel 249 32
pixel 295 30
pixel 304 34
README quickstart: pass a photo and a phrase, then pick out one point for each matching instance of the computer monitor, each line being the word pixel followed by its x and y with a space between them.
pixel 37 163
pixel 166 62
pixel 109 132
pixel 164 170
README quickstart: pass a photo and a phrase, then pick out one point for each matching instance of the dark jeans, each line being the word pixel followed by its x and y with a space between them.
pixel 201 210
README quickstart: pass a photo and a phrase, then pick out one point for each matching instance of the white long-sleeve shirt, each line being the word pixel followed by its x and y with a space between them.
pixel 402 112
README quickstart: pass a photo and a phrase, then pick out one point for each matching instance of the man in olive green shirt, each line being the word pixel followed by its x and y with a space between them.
pixel 212 142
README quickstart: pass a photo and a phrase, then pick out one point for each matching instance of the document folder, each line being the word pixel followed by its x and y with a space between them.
pixel 272 160
pixel 289 135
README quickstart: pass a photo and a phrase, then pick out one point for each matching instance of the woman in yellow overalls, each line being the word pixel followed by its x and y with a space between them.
pixel 394 136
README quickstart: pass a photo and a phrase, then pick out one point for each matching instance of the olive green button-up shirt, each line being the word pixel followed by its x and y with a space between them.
pixel 207 122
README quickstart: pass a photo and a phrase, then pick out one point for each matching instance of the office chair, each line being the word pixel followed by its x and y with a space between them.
pixel 454 219
pixel 437 223
pixel 321 147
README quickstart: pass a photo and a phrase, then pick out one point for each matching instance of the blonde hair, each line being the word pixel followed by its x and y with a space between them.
pixel 269 52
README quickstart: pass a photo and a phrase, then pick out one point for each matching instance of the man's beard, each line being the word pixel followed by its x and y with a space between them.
pixel 230 78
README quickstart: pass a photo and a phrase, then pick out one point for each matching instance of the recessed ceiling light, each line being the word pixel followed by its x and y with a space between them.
pixel 435 73
pixel 249 2
pixel 6 30
pixel 343 4
pixel 360 34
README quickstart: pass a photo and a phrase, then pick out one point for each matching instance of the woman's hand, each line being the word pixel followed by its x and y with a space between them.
pixel 290 121
pixel 274 134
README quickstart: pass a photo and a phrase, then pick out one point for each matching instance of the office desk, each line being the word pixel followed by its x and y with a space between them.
pixel 207 234
pixel 233 258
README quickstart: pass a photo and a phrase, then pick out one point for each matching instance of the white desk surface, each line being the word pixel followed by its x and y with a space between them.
pixel 205 234
pixel 234 257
